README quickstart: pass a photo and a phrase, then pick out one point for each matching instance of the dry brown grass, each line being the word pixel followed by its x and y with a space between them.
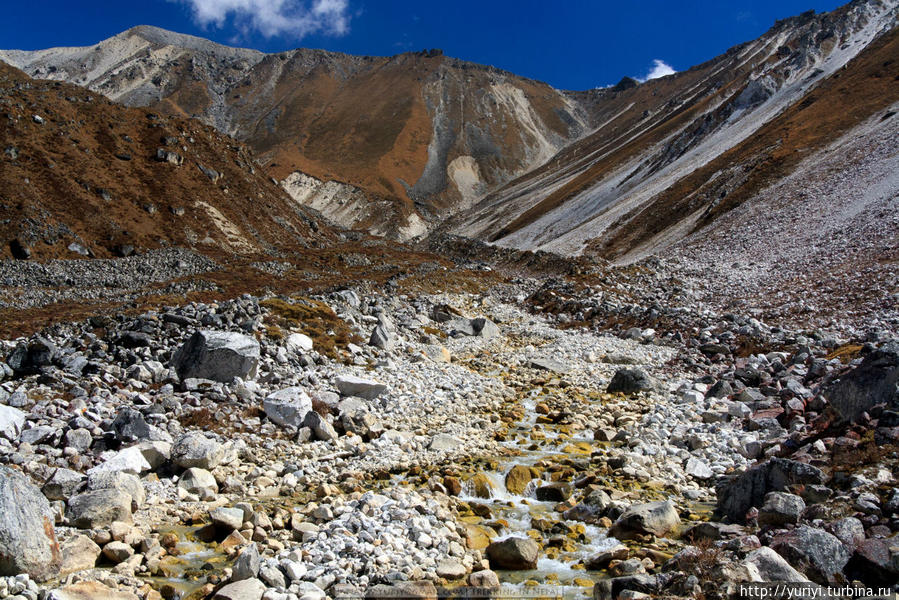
pixel 330 334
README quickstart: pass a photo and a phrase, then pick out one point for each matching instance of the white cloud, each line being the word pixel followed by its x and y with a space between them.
pixel 659 69
pixel 275 17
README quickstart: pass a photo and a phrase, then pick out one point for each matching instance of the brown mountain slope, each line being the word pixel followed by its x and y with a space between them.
pixel 670 147
pixel 415 136
pixel 82 175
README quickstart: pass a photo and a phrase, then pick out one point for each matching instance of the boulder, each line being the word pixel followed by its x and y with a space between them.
pixel 873 562
pixel 629 586
pixel 872 382
pixel 591 509
pixel 849 530
pixel 321 428
pixel 226 518
pixel 287 407
pixel 90 590
pixel 451 569
pixel 771 566
pixel 382 338
pixel 129 425
pixel 198 481
pixel 12 420
pixel 780 508
pixel 193 449
pixel 120 481
pixel 484 579
pixel 485 328
pixel 350 385
pixel 516 554
pixel 656 518
pixel 99 508
pixel 217 355
pixel 554 492
pixel 27 538
pixel 117 552
pixel 30 358
pixel 739 494
pixel 518 478
pixel 602 559
pixel 247 564
pixel 63 484
pixel 814 551
pixel 547 364
pixel 629 381
pixel 79 552
pixel 298 342
pixel 128 460
pixel 246 589
pixel 698 469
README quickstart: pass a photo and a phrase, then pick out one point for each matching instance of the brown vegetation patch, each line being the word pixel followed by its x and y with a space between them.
pixel 330 334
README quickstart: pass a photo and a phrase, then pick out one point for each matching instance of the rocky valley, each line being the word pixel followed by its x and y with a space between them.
pixel 309 326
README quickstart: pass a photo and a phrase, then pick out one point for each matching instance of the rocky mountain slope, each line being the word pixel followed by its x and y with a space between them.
pixel 83 176
pixel 413 137
pixel 672 155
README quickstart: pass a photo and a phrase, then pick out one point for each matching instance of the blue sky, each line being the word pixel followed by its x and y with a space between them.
pixel 569 44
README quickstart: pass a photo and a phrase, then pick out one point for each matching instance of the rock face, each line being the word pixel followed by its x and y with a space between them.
pixel 872 382
pixel 657 518
pixel 217 355
pixel 750 488
pixel 27 538
pixel 629 381
pixel 515 554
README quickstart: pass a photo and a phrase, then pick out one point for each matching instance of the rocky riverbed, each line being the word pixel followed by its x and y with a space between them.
pixel 365 443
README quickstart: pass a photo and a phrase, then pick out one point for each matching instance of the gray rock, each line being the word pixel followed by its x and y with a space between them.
pixel 99 508
pixel 451 569
pixel 198 481
pixel 485 328
pixel 484 579
pixel 771 566
pixel 629 586
pixel 382 338
pixel 120 481
pixel 592 508
pixel 117 552
pixel 873 382
pixel 63 484
pixel 737 496
pixel 819 554
pixel 78 552
pixel 657 518
pixel 227 518
pixel 27 538
pixel 247 564
pixel 320 427
pixel 30 358
pixel 780 509
pixel 272 576
pixel 246 589
pixel 629 381
pixel 513 553
pixel 547 364
pixel 130 425
pixel 216 355
pixel 444 442
pixel 12 420
pixel 350 385
pixel 602 559
pixel 194 449
pixel 38 435
pixel 288 407
pixel 298 342
pixel 79 440
pixel 698 469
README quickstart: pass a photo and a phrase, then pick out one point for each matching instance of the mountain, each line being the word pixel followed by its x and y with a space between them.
pixel 672 155
pixel 422 143
pixel 82 175
pixel 383 143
